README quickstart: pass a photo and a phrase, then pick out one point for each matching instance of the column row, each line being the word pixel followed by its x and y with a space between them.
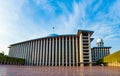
pixel 49 51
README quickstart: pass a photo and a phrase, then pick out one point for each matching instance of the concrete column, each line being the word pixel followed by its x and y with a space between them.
pixel 73 51
pixel 66 50
pixel 53 52
pixel 49 52
pixel 59 50
pixel 97 53
pixel 41 46
pixel 28 50
pixel 33 52
pixel 69 51
pixel 11 51
pixel 76 51
pixel 46 51
pixel 34 55
pixel 105 51
pixel 31 45
pixel 28 57
pixel 108 50
pixel 22 50
pixel 81 49
pixel 38 52
pixel 56 52
pixel 43 59
pixel 18 52
pixel 63 51
pixel 15 50
pixel 90 56
pixel 102 52
pixel 94 54
pixel 25 50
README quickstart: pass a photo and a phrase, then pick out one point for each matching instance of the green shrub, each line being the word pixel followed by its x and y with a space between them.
pixel 11 60
pixel 115 57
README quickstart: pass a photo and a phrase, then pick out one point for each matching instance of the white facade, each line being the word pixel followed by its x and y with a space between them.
pixel 59 50
pixel 100 51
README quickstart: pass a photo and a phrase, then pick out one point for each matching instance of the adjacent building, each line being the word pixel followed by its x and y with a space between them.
pixel 55 50
pixel 100 51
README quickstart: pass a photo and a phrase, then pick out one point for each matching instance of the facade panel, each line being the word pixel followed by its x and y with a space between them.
pixel 66 50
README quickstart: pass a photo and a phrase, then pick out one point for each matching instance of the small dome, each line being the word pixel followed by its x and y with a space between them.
pixel 99 40
pixel 53 35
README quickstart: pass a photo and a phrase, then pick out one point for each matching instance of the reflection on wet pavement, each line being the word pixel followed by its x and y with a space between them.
pixel 14 70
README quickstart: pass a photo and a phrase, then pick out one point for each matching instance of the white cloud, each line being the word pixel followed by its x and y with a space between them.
pixel 15 26
pixel 9 15
pixel 45 5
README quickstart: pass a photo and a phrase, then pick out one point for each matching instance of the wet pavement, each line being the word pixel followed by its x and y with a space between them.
pixel 15 70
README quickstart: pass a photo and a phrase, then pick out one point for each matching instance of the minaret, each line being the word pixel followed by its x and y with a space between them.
pixel 100 42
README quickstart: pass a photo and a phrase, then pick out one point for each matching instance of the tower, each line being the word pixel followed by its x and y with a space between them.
pixel 100 51
pixel 100 42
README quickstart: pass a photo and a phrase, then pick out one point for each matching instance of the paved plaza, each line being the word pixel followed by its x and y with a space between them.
pixel 15 70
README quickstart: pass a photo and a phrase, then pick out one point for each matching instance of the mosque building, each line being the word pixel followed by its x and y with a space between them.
pixel 57 50
pixel 100 51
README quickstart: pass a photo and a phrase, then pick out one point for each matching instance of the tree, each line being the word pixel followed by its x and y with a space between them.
pixel 2 54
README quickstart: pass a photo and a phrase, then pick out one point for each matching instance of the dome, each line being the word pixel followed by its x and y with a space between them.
pixel 99 40
pixel 53 35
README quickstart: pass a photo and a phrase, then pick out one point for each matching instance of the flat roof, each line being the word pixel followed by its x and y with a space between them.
pixel 88 31
pixel 43 38
pixel 56 35
pixel 102 47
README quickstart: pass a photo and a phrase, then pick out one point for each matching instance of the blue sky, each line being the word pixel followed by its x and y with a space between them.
pixel 22 20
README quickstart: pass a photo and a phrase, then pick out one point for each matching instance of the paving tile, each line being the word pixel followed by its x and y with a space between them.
pixel 15 70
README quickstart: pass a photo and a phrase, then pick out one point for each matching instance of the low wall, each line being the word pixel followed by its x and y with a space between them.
pixel 114 64
pixel 11 60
